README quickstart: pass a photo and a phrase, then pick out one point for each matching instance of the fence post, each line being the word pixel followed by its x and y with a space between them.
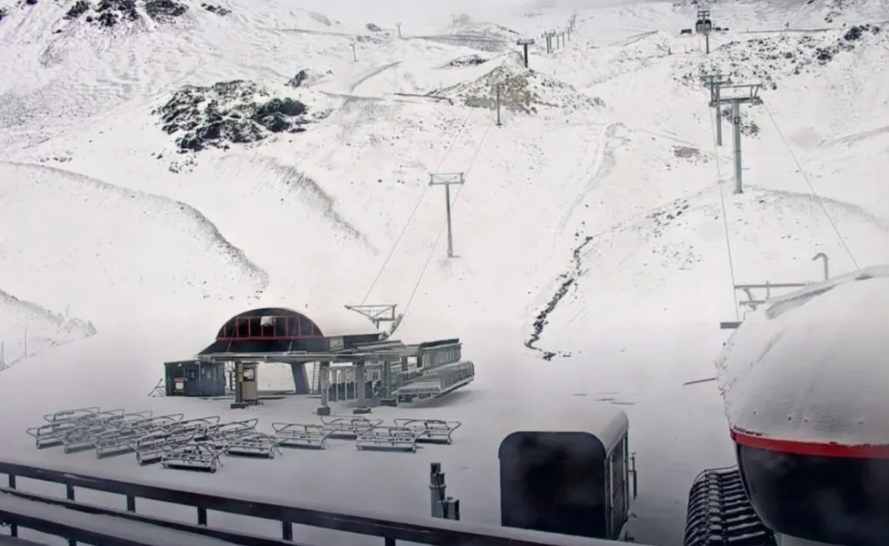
pixel 13 528
pixel 69 494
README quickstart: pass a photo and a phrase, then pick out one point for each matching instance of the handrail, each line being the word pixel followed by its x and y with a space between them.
pixel 415 530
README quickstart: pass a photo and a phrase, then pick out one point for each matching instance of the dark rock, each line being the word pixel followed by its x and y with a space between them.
pixel 112 12
pixel 164 10
pixel 301 77
pixel 853 33
pixel 857 31
pixel 3 13
pixel 31 2
pixel 218 10
pixel 276 114
pixel 227 113
pixel 373 28
pixel 79 8
pixel 468 60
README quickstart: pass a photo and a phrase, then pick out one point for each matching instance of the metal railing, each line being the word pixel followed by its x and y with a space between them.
pixel 77 521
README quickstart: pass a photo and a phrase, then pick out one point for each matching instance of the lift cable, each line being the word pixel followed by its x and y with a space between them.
pixel 456 138
pixel 442 230
pixel 728 242
pixel 812 189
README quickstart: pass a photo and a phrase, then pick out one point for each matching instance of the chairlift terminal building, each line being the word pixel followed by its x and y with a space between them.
pixel 361 367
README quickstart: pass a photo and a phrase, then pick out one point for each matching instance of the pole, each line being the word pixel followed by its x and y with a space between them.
pixel 398 25
pixel 707 42
pixel 446 180
pixel 820 255
pixel 448 212
pixel 436 490
pixel 498 106
pixel 716 94
pixel 526 55
pixel 736 122
pixel 354 54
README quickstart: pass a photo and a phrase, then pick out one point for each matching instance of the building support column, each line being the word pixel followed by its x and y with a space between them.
pixel 324 387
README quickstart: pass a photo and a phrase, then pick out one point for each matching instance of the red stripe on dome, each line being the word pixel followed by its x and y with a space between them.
pixel 815 449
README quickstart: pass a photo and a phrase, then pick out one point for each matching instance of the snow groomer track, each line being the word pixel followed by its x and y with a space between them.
pixel 200 443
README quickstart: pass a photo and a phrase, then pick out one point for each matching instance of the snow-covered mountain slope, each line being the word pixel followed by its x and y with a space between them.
pixel 27 329
pixel 72 242
pixel 166 172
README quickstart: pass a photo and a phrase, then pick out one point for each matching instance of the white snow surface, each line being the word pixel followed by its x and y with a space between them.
pixel 613 188
pixel 808 366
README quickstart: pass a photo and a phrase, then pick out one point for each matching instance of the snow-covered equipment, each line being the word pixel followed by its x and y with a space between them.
pixel 192 456
pixel 387 438
pixel 348 428
pixel 254 444
pixel 430 431
pixel 304 436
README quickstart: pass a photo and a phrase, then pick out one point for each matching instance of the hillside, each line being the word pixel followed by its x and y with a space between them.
pixel 164 170
pixel 28 329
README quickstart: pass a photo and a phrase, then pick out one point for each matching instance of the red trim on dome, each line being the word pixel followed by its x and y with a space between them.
pixel 814 449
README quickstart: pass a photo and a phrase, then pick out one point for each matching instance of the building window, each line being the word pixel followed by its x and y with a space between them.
pixel 281 327
pixel 242 328
pixel 267 326
pixel 305 327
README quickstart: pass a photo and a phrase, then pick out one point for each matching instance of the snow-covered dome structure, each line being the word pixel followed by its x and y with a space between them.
pixel 805 381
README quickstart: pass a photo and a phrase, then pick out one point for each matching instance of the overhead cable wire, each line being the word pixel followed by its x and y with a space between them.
pixel 728 240
pixel 812 189
pixel 442 230
pixel 416 207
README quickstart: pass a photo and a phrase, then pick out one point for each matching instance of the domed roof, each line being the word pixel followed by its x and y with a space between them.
pixel 813 366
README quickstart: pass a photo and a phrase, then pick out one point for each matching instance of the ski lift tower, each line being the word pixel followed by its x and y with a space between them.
pixel 525 42
pixel 739 94
pixel 703 25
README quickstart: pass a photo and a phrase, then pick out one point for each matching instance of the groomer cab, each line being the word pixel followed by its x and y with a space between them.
pixel 575 480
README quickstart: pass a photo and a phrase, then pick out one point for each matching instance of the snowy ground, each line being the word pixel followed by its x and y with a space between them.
pixel 604 174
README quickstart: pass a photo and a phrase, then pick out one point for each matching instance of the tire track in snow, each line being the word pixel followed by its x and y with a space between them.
pixel 370 74
pixel 599 160
pixel 237 254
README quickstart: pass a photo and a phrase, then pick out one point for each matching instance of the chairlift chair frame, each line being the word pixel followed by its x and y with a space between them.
pixel 301 436
pixel 194 456
pixel 387 438
pixel 430 431
pixel 349 428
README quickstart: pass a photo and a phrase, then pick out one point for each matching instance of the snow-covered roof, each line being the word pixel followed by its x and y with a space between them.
pixel 606 422
pixel 333 319
pixel 813 365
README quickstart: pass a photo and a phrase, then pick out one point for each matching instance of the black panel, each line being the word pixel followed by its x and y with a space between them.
pixel 842 501
pixel 553 482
